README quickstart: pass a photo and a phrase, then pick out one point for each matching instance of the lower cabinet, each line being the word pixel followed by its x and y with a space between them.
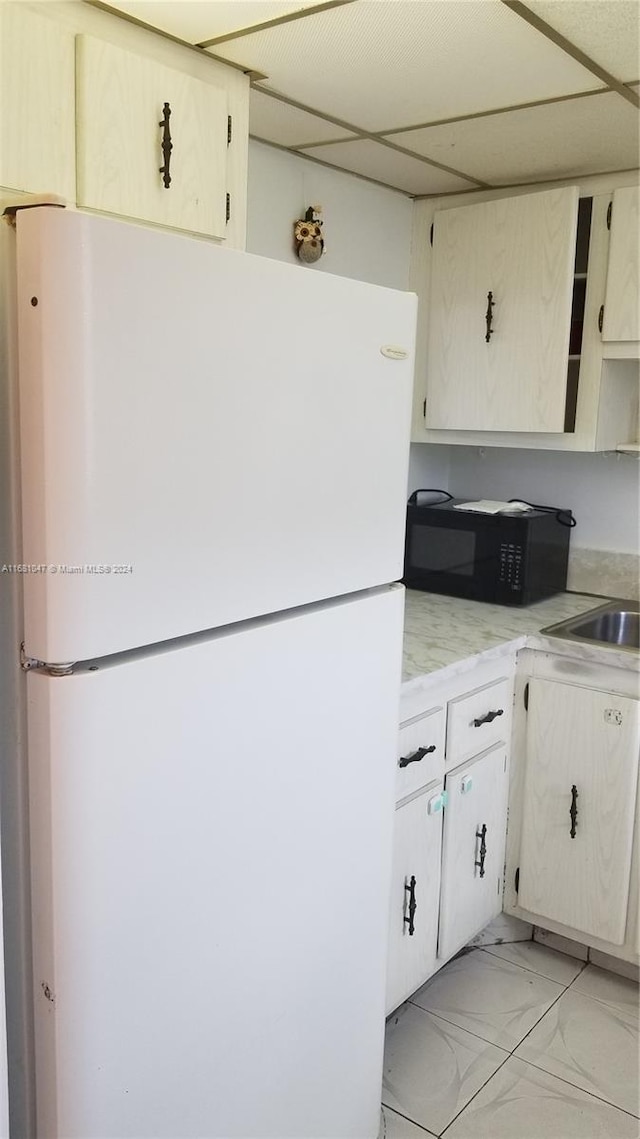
pixel 415 890
pixel 450 821
pixel 578 807
pixel 473 848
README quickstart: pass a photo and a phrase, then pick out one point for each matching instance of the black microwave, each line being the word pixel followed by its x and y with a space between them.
pixel 507 558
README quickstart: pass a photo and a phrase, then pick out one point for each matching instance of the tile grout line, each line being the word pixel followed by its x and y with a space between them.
pixel 408 1119
pixel 529 970
pixel 452 1024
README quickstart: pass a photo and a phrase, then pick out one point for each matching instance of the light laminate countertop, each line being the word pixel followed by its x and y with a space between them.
pixel 450 635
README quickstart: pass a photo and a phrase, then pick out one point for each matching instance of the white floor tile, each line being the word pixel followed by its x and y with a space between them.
pixel 604 986
pixel 432 1069
pixel 590 1044
pixel 502 929
pixel 393 1126
pixel 520 1102
pixel 547 962
pixel 492 998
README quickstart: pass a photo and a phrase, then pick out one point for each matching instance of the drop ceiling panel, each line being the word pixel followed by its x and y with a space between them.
pixel 275 121
pixel 389 166
pixel 198 20
pixel 385 65
pixel 608 32
pixel 558 140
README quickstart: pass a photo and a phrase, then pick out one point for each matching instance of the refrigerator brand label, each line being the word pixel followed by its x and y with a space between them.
pixel 393 352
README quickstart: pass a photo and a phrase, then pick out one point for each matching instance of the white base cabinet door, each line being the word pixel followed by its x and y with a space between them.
pixel 475 819
pixel 123 100
pixel 415 887
pixel 579 804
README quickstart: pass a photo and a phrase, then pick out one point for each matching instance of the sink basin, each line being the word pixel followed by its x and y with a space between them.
pixel 617 623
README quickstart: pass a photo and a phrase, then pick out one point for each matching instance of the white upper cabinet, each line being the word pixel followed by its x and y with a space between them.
pixel 37 113
pixel 500 313
pixel 622 300
pixel 123 100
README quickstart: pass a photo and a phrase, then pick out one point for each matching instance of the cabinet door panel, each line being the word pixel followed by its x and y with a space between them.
pixel 522 251
pixel 120 99
pixel 476 797
pixel 37 115
pixel 587 740
pixel 622 302
pixel 417 840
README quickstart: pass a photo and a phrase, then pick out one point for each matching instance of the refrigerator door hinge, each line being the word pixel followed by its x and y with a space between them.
pixel 526 697
pixel 32 664
pixel 228 207
pixel 229 130
pixel 27 663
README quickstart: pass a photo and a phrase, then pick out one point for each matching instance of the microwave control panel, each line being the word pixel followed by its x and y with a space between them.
pixel 511 565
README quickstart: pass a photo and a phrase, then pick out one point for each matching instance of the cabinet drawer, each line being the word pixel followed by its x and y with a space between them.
pixel 420 752
pixel 478 719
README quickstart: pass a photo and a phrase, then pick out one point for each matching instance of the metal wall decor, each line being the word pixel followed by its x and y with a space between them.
pixel 307 232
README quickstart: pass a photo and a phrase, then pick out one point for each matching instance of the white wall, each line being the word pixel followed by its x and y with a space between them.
pixel 367 229
pixel 602 490
pixel 367 232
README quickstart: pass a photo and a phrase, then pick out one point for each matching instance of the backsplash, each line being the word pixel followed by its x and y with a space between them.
pixel 605 572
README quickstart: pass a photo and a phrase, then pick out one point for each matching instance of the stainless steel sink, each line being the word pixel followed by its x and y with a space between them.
pixel 617 623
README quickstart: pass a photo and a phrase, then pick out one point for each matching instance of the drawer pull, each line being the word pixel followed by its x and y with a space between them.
pixel 167 145
pixel 412 906
pixel 416 756
pixel 482 834
pixel 488 718
pixel 573 811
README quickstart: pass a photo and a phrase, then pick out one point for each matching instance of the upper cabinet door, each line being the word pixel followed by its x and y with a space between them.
pixel 622 300
pixel 501 297
pixel 121 100
pixel 37 114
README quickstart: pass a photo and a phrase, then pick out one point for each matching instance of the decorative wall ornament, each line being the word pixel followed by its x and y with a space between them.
pixel 307 232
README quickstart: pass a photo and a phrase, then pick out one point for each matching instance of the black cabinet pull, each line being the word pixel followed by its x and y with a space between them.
pixel 412 907
pixel 405 760
pixel 573 811
pixel 489 316
pixel 167 145
pixel 488 718
pixel 482 834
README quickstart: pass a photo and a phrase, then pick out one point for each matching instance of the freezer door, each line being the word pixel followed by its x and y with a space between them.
pixel 211 834
pixel 207 435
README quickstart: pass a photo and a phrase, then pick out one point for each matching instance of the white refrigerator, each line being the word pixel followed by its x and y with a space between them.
pixel 214 455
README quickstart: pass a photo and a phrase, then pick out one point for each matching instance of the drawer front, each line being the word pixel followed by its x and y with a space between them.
pixel 478 719
pixel 420 752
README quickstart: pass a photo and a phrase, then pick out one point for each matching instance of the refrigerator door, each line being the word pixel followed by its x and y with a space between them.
pixel 210 877
pixel 207 435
